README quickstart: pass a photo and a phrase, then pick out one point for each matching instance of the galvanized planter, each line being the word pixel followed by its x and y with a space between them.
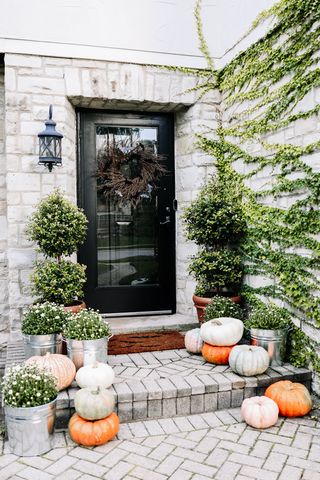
pixel 274 341
pixel 41 344
pixel 30 430
pixel 87 352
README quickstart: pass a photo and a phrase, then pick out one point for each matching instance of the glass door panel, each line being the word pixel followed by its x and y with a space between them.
pixel 127 236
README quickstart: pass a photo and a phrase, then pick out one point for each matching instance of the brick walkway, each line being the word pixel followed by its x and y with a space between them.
pixel 211 445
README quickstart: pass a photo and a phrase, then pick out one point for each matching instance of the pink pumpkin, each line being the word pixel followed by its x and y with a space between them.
pixel 260 412
pixel 193 342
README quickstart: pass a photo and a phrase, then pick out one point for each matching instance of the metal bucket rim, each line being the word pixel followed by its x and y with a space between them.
pixel 27 336
pixel 264 333
pixel 29 410
pixel 85 342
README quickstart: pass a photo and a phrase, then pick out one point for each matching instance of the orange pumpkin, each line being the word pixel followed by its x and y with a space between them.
pixel 59 365
pixel 217 355
pixel 293 399
pixel 92 433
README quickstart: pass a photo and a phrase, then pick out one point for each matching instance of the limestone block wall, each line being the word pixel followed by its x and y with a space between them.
pixel 31 84
pixel 3 213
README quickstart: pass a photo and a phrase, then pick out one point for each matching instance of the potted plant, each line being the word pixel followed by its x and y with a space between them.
pixel 222 307
pixel 269 326
pixel 58 227
pixel 87 336
pixel 29 398
pixel 41 327
pixel 216 223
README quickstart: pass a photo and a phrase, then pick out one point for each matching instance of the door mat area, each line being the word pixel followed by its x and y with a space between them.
pixel 145 342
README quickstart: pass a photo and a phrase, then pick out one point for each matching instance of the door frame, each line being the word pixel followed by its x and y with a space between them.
pixel 131 116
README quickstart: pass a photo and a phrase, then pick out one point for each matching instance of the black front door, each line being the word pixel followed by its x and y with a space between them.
pixel 126 188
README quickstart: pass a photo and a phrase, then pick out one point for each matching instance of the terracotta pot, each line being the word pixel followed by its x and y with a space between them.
pixel 201 302
pixel 75 307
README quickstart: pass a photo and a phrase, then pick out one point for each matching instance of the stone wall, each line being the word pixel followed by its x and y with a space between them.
pixel 31 84
pixel 3 212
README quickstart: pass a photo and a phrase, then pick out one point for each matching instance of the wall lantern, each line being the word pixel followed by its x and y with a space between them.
pixel 50 144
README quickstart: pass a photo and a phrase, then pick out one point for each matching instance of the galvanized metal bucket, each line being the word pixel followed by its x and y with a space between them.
pixel 30 430
pixel 87 352
pixel 41 344
pixel 274 341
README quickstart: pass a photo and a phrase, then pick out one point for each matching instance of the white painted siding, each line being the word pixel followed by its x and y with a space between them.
pixel 138 31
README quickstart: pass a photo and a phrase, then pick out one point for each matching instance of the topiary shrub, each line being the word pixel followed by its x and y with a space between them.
pixel 215 221
pixel 60 282
pixel 59 227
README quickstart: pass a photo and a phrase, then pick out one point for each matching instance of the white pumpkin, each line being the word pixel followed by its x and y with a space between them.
pixel 222 332
pixel 94 403
pixel 96 375
pixel 249 360
pixel 193 341
pixel 260 412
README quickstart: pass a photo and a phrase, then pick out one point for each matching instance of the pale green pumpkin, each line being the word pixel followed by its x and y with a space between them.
pixel 248 360
pixel 94 403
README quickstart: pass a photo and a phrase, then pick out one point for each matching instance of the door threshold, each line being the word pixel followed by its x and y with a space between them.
pixel 137 314
pixel 144 323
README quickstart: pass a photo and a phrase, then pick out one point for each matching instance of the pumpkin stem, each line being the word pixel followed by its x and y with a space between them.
pixel 216 322
pixel 97 391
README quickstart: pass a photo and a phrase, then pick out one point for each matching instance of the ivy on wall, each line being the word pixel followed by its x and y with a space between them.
pixel 268 93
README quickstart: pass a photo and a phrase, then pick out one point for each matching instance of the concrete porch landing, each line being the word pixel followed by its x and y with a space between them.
pixel 171 383
pixel 145 323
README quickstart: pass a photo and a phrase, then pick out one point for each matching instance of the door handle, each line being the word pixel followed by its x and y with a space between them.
pixel 167 220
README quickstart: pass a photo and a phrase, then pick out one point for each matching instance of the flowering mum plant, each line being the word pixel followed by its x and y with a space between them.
pixel 269 317
pixel 43 319
pixel 28 386
pixel 88 324
pixel 222 307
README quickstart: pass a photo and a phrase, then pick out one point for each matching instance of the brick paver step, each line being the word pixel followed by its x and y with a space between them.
pixel 215 445
pixel 171 383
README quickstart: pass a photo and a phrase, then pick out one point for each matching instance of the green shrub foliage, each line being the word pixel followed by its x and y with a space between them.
pixel 59 282
pixel 214 218
pixel 216 270
pixel 58 226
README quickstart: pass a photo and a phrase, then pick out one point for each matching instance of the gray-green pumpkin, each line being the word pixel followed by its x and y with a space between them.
pixel 249 360
pixel 94 403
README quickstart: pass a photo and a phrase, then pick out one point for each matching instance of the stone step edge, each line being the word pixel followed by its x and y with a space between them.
pixel 179 386
pixel 155 404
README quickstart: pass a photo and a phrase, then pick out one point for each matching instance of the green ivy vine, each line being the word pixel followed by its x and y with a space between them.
pixel 263 87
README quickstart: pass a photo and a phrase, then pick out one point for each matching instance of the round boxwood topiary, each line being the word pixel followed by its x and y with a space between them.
pixel 58 226
pixel 59 282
